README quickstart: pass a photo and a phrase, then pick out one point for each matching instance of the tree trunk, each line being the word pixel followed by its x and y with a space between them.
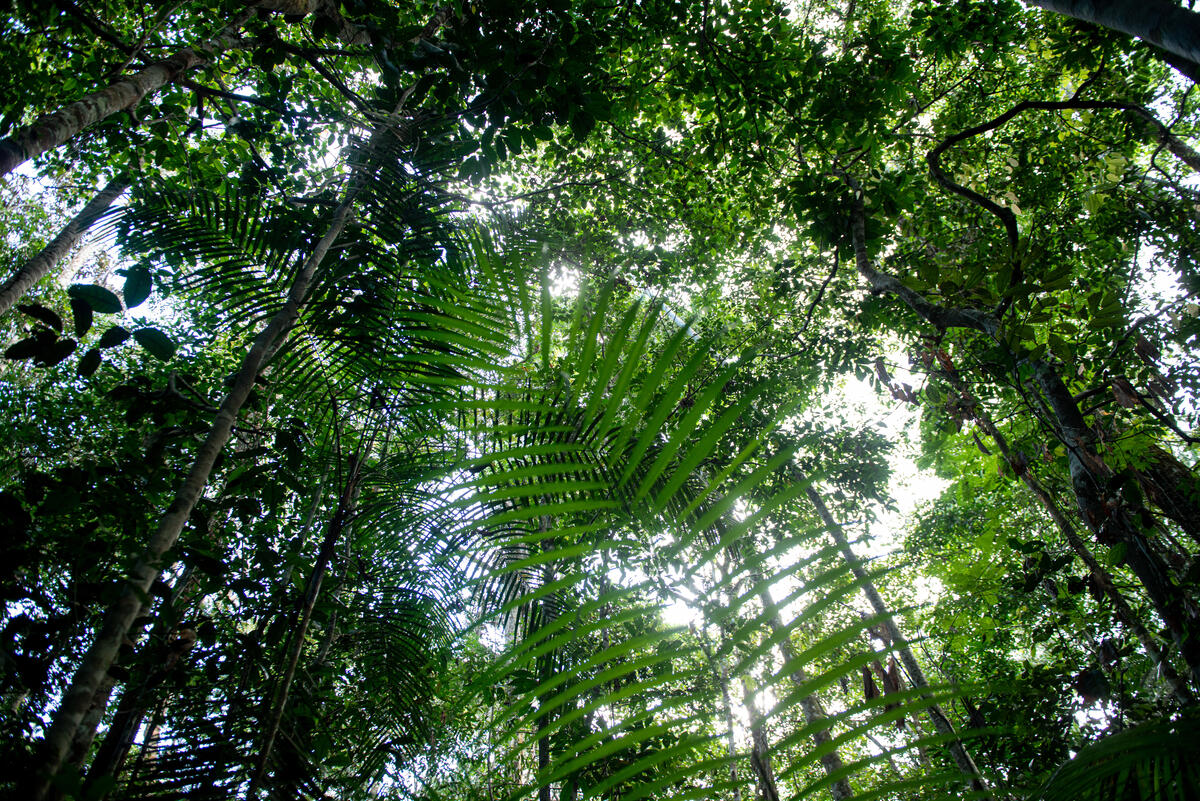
pixel 333 536
pixel 939 719
pixel 1173 488
pixel 721 677
pixel 1110 526
pixel 86 734
pixel 810 704
pixel 132 709
pixel 760 748
pixel 543 753
pixel 1161 23
pixel 1101 576
pixel 131 712
pixel 33 270
pixel 145 755
pixel 52 130
pixel 1113 525
pixel 545 670
pixel 121 614
pixel 730 742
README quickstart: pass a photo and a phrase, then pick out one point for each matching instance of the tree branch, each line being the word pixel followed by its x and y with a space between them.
pixel 1173 143
pixel 94 25
pixel 940 316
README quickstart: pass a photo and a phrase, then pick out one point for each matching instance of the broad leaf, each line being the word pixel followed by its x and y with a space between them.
pixel 99 298
pixel 155 342
pixel 137 286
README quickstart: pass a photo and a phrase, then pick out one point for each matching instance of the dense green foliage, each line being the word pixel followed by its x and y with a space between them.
pixel 459 405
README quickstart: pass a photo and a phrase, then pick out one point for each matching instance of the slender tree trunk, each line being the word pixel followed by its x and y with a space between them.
pixel 131 711
pixel 939 719
pixel 730 741
pixel 1101 576
pixel 121 614
pixel 86 734
pixel 52 130
pixel 545 670
pixel 721 677
pixel 810 704
pixel 760 747
pixel 543 750
pixel 333 536
pixel 145 755
pixel 885 749
pixel 40 265
pixel 1162 23
pixel 130 714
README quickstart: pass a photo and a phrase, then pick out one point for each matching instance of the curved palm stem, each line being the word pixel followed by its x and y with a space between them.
pixel 333 536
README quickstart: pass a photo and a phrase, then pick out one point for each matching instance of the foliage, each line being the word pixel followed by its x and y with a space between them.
pixel 546 486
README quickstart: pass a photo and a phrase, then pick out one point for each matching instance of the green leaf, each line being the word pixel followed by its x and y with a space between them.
pixel 156 342
pixel 582 124
pixel 24 349
pixel 137 287
pixel 81 313
pixel 41 314
pixel 113 337
pixel 58 352
pixel 99 298
pixel 89 363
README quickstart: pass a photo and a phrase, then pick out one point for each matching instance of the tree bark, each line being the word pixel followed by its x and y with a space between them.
pixel 52 130
pixel 1173 488
pixel 121 614
pixel 1101 576
pixel 1110 525
pixel 146 755
pixel 760 748
pixel 730 742
pixel 939 719
pixel 1113 524
pixel 86 734
pixel 721 677
pixel 810 704
pixel 40 265
pixel 1162 23
pixel 131 712
pixel 881 283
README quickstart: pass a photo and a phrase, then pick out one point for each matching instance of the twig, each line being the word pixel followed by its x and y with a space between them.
pixel 1173 143
pixel 221 93
pixel 94 25
pixel 820 292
